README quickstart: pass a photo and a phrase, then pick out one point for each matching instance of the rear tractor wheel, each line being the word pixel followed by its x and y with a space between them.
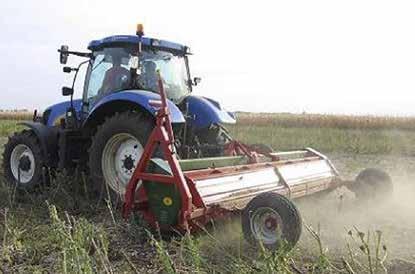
pixel 272 220
pixel 23 162
pixel 115 151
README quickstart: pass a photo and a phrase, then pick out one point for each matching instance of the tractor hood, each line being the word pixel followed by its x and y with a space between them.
pixel 205 111
pixel 53 114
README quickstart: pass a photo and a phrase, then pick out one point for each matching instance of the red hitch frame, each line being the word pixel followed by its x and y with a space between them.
pixel 162 135
pixel 202 197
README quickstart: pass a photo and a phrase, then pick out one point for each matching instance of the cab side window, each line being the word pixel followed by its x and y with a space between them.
pixel 96 78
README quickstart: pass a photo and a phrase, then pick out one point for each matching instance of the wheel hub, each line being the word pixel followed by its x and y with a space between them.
pixel 266 225
pixel 119 159
pixel 271 223
pixel 129 163
pixel 22 163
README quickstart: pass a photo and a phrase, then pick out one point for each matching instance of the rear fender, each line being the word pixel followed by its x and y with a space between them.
pixel 129 100
pixel 48 139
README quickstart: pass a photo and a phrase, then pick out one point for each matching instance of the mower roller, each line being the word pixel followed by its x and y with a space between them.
pixel 184 195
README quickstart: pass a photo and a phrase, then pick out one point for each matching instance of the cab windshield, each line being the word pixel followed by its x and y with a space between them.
pixel 110 72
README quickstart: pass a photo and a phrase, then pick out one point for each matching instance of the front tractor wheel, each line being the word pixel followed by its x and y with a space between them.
pixel 272 220
pixel 23 161
pixel 115 151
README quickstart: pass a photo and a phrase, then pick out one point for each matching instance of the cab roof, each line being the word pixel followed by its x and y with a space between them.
pixel 124 40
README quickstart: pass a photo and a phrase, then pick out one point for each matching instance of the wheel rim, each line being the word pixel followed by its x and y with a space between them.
pixel 119 159
pixel 266 225
pixel 22 163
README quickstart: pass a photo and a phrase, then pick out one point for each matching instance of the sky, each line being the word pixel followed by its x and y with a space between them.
pixel 348 57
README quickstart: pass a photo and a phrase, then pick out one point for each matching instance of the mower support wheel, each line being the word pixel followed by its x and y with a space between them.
pixel 372 184
pixel 273 220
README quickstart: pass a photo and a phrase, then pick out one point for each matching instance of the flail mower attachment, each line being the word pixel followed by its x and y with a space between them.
pixel 184 195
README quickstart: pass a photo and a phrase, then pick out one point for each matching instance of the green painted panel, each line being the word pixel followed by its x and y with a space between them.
pixel 164 200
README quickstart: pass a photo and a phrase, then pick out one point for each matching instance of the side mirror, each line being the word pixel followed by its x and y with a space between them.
pixel 197 81
pixel 67 69
pixel 63 54
pixel 67 91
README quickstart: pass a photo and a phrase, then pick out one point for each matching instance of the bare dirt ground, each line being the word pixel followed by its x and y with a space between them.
pixel 395 218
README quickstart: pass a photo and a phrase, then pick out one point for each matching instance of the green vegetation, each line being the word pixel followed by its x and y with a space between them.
pixel 78 236
pixel 7 127
pixel 328 140
pixel 287 120
pixel 327 133
pixel 62 229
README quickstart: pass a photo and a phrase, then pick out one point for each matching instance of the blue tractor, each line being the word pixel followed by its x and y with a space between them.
pixel 104 132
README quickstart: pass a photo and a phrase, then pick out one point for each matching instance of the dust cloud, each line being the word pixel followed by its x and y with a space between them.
pixel 394 217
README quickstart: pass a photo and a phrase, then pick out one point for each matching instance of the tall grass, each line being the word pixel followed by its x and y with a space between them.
pixel 72 235
pixel 7 127
pixel 83 247
pixel 328 133
pixel 328 139
pixel 16 115
pixel 190 255
pixel 288 120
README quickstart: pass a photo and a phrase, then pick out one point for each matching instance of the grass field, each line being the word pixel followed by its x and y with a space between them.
pixel 61 229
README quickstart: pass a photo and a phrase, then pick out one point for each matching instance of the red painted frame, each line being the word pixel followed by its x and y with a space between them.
pixel 193 213
pixel 162 135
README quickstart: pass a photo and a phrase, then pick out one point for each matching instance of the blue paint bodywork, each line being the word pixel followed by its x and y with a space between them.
pixel 59 110
pixel 141 98
pixel 205 111
pixel 133 40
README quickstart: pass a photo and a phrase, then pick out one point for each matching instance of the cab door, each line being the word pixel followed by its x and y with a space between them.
pixel 108 72
pixel 94 80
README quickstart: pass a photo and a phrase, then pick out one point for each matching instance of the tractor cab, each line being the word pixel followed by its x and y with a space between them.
pixel 129 63
pixel 104 131
pixel 117 63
